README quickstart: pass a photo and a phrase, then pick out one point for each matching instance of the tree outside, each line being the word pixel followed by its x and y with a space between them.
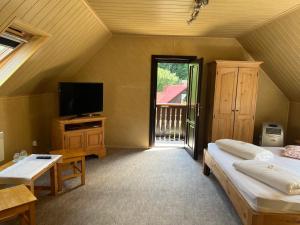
pixel 172 82
pixel 171 73
pixel 180 69
pixel 165 77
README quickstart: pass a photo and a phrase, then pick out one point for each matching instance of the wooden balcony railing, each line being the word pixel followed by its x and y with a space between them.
pixel 170 122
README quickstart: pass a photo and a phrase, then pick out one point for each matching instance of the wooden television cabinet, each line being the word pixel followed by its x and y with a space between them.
pixel 86 133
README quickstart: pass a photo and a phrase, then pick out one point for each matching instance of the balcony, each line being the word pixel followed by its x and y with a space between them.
pixel 170 124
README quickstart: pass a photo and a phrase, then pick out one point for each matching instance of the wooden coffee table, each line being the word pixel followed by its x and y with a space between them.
pixel 70 160
pixel 28 170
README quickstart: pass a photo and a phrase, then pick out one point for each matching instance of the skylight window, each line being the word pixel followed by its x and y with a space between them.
pixel 10 40
pixel 17 44
pixel 8 45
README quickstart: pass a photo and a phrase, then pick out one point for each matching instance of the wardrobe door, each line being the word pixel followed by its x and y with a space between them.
pixel 245 104
pixel 224 103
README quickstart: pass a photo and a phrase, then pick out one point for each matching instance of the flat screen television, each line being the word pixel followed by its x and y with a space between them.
pixel 78 99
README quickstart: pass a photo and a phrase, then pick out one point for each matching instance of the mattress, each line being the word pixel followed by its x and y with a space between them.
pixel 260 197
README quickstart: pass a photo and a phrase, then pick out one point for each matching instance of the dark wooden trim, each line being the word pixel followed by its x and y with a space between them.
pixel 155 59
pixel 153 89
pixel 173 58
pixel 198 125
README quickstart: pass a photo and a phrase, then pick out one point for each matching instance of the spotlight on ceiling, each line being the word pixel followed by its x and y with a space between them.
pixel 196 9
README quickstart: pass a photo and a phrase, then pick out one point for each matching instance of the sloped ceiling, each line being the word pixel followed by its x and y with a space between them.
pixel 76 34
pixel 221 18
pixel 278 45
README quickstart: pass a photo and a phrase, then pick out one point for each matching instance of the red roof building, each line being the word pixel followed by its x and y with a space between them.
pixel 171 94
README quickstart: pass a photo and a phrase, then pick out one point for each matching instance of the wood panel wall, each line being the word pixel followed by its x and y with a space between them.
pixel 76 33
pixel 278 45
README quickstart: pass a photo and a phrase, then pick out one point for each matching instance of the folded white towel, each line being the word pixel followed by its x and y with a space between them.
pixel 244 150
pixel 273 175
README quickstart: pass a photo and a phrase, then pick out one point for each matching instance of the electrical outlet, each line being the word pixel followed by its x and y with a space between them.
pixel 34 143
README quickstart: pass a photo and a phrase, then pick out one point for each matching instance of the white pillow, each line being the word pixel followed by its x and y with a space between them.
pixel 271 174
pixel 244 150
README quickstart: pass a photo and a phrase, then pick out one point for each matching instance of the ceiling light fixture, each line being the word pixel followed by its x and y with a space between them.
pixel 196 9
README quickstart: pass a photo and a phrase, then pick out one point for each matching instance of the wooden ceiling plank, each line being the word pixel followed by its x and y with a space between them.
pixel 52 15
pixel 3 4
pixel 72 27
pixel 131 15
pixel 34 10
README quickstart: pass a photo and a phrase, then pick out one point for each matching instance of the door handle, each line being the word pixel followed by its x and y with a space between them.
pixel 198 109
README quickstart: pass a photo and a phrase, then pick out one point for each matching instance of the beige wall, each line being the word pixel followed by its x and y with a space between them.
pixel 294 122
pixel 272 104
pixel 24 119
pixel 124 66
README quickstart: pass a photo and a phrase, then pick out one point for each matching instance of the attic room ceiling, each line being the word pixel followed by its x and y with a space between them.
pixel 75 34
pixel 278 45
pixel 220 18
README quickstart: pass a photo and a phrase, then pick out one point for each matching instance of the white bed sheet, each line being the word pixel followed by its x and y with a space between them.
pixel 260 197
pixel 26 169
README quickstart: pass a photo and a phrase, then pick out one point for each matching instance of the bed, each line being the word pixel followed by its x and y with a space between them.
pixel 255 202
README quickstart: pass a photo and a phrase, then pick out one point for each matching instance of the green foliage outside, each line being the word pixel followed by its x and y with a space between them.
pixel 180 69
pixel 165 77
pixel 171 73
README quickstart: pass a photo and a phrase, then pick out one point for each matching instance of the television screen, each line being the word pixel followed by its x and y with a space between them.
pixel 80 98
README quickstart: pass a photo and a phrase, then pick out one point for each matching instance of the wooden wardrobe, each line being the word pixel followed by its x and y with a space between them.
pixel 231 102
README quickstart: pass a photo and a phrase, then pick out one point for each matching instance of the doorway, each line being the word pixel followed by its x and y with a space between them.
pixel 171 99
pixel 175 102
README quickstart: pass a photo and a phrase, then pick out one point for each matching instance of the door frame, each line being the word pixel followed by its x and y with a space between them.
pixel 155 59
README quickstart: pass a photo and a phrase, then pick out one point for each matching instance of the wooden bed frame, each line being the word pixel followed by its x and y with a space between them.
pixel 245 212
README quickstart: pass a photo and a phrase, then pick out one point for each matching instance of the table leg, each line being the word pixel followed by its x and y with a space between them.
pixel 83 170
pixel 59 176
pixel 32 214
pixel 53 177
pixel 74 164
pixel 23 219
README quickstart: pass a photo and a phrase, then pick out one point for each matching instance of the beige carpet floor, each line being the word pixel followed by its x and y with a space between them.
pixel 153 187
